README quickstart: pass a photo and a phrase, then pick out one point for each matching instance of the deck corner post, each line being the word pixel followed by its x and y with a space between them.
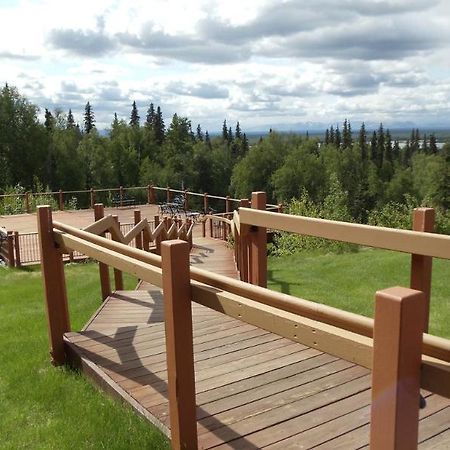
pixel 179 344
pixel 421 266
pixel 259 244
pixel 118 275
pixel 244 245
pixel 105 283
pixel 92 197
pixel 17 249
pixel 157 239
pixel 54 285
pixel 61 200
pixel 10 247
pixel 397 353
pixel 205 203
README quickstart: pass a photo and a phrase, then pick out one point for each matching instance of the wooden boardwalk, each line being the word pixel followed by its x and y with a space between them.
pixel 254 388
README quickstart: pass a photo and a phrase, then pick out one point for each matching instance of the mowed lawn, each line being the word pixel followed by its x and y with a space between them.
pixel 349 281
pixel 46 407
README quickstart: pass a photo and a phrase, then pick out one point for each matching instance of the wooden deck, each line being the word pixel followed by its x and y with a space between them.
pixel 254 388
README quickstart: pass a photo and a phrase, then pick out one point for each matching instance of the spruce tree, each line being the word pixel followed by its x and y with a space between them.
pixel 89 118
pixel 433 145
pixel 380 146
pixel 238 133
pixel 208 140
pixel 373 147
pixel 150 119
pixel 337 137
pixel 388 147
pixel 199 135
pixel 362 141
pixel 245 146
pixel 160 128
pixel 425 144
pixel 49 121
pixel 230 136
pixel 134 116
pixel 225 131
pixel 347 135
pixel 332 140
pixel 396 151
pixel 70 120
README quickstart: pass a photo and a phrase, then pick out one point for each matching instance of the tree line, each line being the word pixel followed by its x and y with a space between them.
pixel 366 171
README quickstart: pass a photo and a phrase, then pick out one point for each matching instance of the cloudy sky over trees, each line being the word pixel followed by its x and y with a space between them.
pixel 262 62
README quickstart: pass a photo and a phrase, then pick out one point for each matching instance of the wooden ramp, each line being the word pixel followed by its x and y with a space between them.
pixel 254 388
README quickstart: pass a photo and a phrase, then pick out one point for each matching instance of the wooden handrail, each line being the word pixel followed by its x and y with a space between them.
pixel 433 346
pixel 420 243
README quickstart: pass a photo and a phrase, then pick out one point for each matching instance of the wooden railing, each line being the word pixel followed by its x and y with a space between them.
pixel 402 357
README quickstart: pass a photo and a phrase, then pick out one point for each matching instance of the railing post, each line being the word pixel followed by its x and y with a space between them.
pixel 244 245
pixel 205 203
pixel 280 207
pixel 397 353
pixel 27 202
pixel 179 344
pixel 54 285
pixel 118 275
pixel 168 194
pixel 227 204
pixel 92 192
pixel 158 238
pixel 105 283
pixel 137 219
pixel 204 228
pixel 421 266
pixel 151 195
pixel 259 244
pixel 61 200
pixel 10 246
pixel 17 248
pixel 190 238
pixel 121 196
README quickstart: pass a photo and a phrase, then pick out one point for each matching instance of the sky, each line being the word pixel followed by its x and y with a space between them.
pixel 265 63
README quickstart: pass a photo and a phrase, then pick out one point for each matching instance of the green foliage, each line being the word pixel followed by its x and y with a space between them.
pixel 14 204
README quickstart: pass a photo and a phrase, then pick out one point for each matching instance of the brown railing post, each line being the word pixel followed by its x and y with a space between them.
pixel 227 204
pixel 27 202
pixel 158 238
pixel 179 344
pixel 151 195
pixel 421 266
pixel 190 238
pixel 10 247
pixel 205 203
pixel 92 192
pixel 168 194
pixel 259 244
pixel 121 196
pixel 61 200
pixel 118 275
pixel 17 248
pixel 137 219
pixel 105 283
pixel 280 207
pixel 244 246
pixel 210 227
pixel 397 352
pixel 54 285
pixel 204 228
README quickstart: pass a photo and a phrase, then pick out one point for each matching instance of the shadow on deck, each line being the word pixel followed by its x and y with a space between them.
pixel 254 389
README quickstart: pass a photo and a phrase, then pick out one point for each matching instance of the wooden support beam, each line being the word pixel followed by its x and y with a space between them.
pixel 258 237
pixel 205 203
pixel 54 285
pixel 179 344
pixel 244 245
pixel 61 200
pixel 10 248
pixel 105 283
pixel 138 238
pixel 399 319
pixel 92 197
pixel 227 204
pixel 118 275
pixel 421 266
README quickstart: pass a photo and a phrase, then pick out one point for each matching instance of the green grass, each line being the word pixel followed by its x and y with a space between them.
pixel 46 407
pixel 349 281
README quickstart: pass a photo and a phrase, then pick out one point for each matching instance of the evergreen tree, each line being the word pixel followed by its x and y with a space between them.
pixel 347 135
pixel 89 118
pixel 396 151
pixel 443 183
pixel 433 145
pixel 134 116
pixel 199 133
pixel 225 131
pixel 425 144
pixel 373 147
pixel 230 136
pixel 327 137
pixel 337 137
pixel 332 137
pixel 70 120
pixel 238 133
pixel 362 140
pixel 160 128
pixel 388 148
pixel 49 121
pixel 380 146
pixel 208 140
pixel 245 146
pixel 150 120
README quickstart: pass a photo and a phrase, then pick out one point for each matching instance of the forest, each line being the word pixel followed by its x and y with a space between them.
pixel 363 177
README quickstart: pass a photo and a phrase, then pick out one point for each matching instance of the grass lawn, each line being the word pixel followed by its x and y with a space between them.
pixel 44 407
pixel 349 281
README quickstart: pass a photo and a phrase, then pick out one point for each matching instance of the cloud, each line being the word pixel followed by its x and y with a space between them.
pixel 202 90
pixel 17 56
pixel 82 42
